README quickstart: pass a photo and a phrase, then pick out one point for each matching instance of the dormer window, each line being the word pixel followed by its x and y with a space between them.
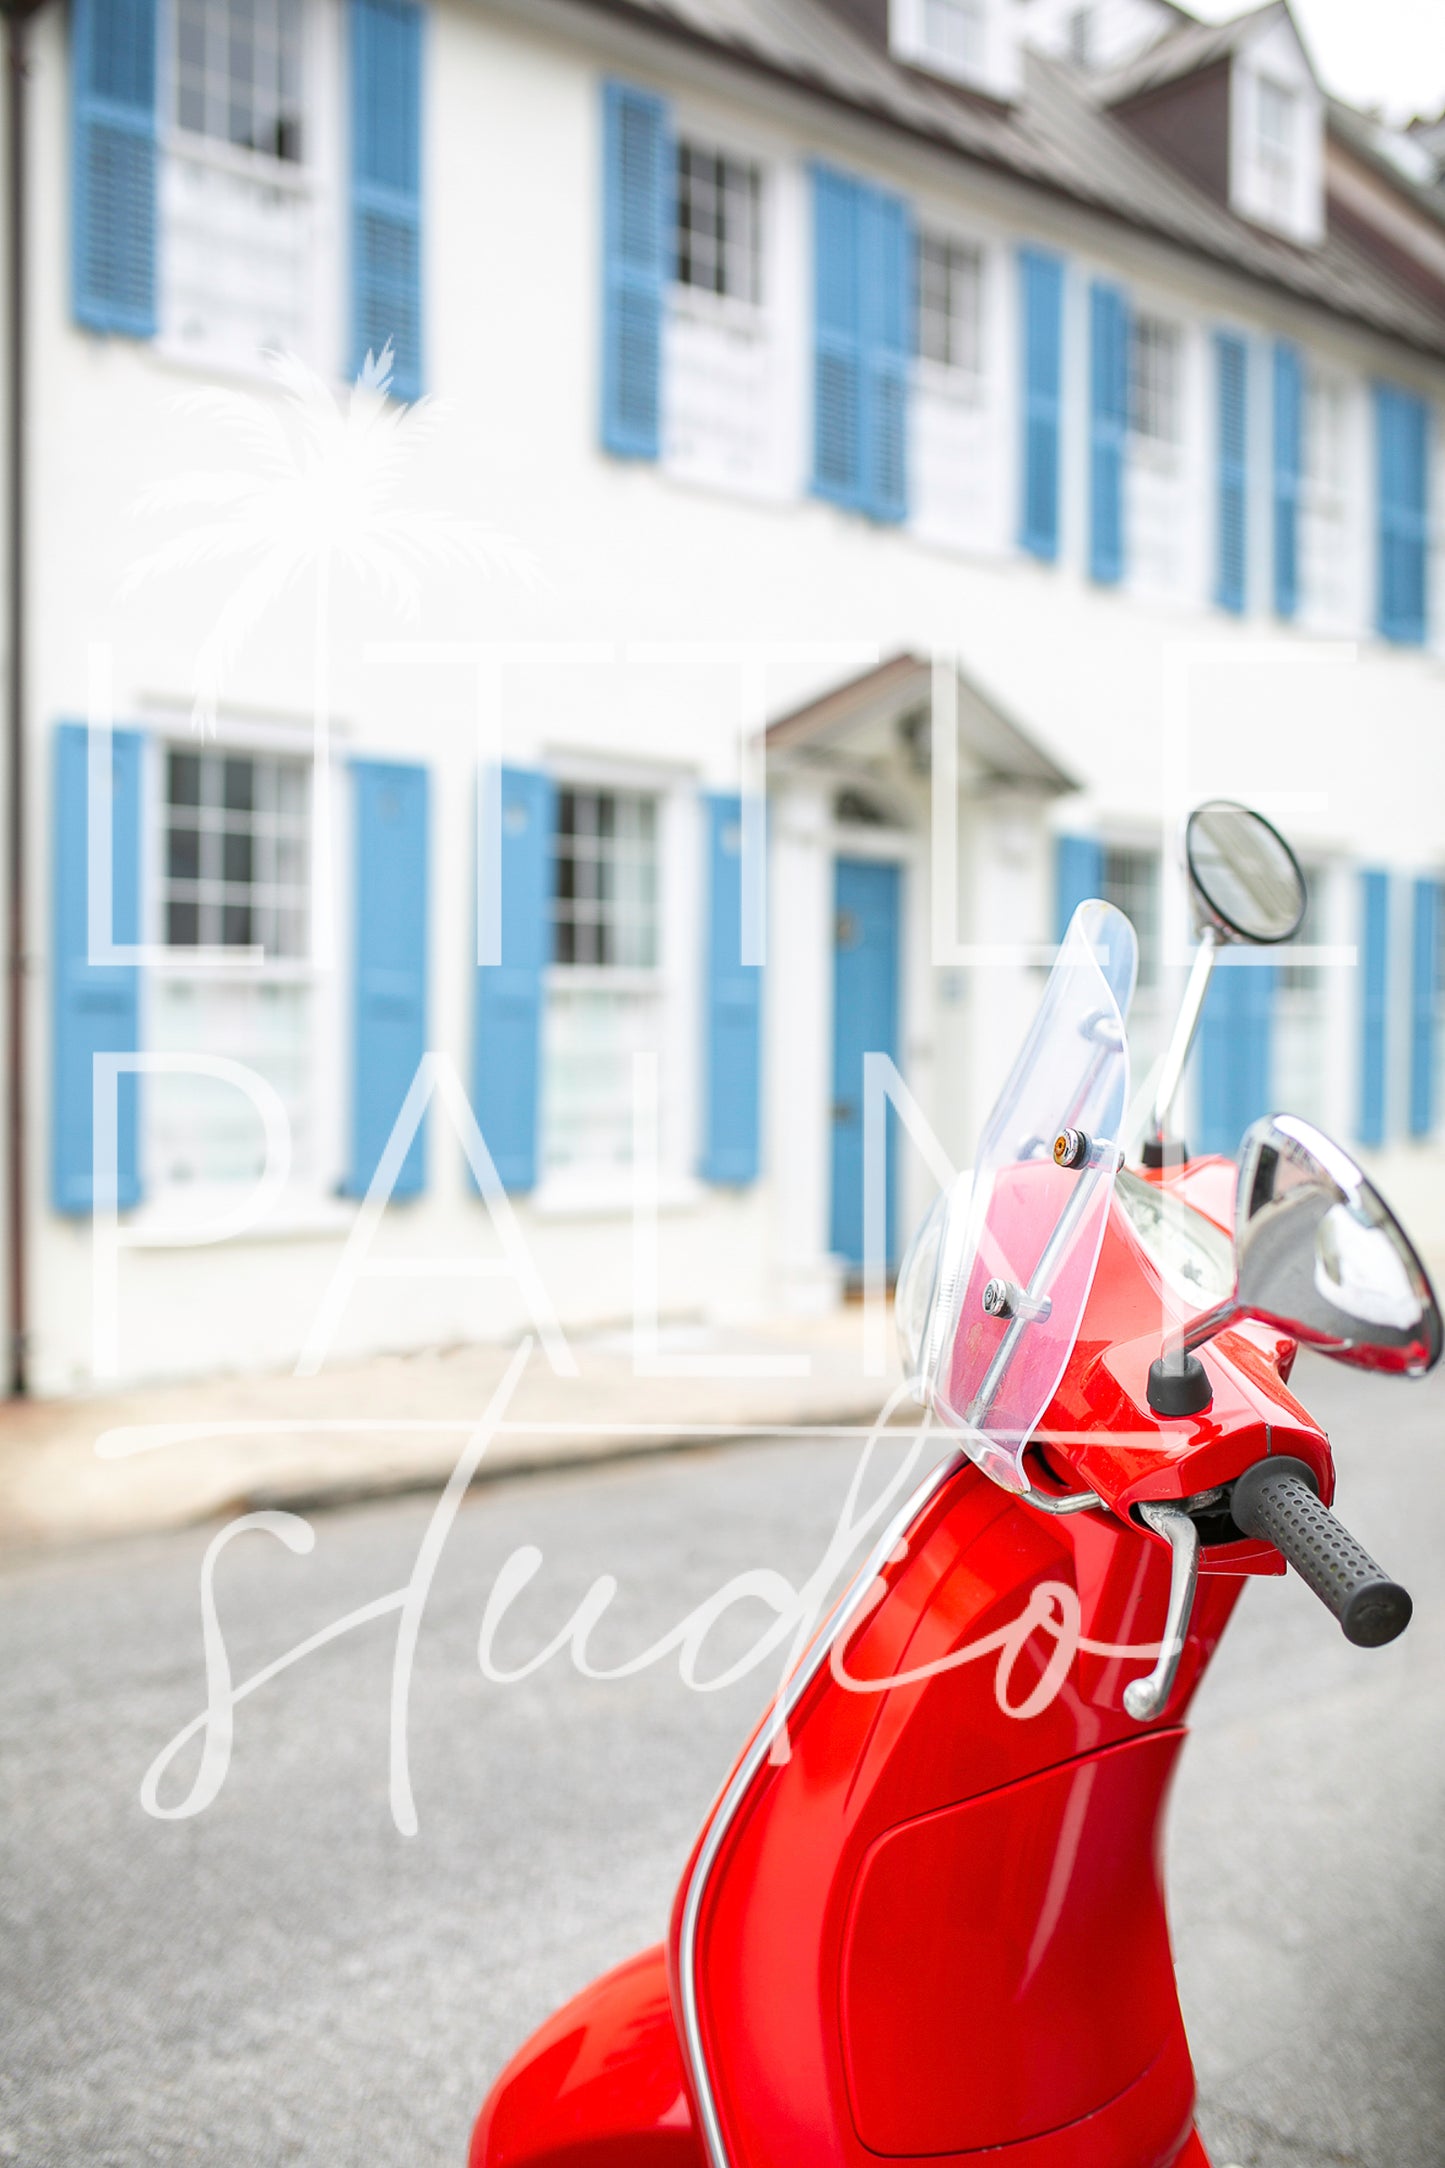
pixel 1240 110
pixel 973 42
pixel 953 35
pixel 1276 125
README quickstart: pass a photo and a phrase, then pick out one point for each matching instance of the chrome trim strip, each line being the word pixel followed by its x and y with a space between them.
pixel 726 1811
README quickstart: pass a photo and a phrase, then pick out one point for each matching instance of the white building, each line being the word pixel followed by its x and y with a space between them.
pixel 1050 392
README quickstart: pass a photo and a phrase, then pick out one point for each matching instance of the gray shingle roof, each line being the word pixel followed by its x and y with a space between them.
pixel 1058 136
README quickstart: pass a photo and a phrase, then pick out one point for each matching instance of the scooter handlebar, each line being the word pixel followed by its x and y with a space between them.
pixel 1279 1501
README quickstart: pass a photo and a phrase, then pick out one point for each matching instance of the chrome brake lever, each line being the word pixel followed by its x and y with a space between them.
pixel 1144 1698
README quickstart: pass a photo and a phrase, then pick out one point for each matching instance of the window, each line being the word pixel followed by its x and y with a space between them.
pixel 1301 1051
pixel 236 182
pixel 233 874
pixel 948 303
pixel 1154 381
pixel 723 415
pixel 953 34
pixel 1160 511
pixel 718 224
pixel 605 997
pixel 1275 144
pixel 1324 506
pixel 960 472
pixel 238 73
pixel 1131 884
pixel 604 908
pixel 1081 38
pixel 236 841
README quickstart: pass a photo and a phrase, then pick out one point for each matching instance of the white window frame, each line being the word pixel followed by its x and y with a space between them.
pixel 311 1202
pixel 682 871
pixel 1175 465
pixel 960 380
pixel 1165 451
pixel 775 326
pixel 742 308
pixel 988 394
pixel 996 66
pixel 1277 160
pixel 1337 503
pixel 315 180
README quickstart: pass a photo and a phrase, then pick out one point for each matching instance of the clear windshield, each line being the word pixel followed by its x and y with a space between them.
pixel 1019 1240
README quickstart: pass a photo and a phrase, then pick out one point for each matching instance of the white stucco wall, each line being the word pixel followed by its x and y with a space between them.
pixel 625 646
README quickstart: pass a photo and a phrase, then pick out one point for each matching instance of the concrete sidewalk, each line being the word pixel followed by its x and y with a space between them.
pixel 168 1455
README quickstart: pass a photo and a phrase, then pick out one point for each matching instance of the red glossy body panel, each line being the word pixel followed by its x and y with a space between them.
pixel 988 1915
pixel 848 2018
pixel 778 1904
pixel 600 2086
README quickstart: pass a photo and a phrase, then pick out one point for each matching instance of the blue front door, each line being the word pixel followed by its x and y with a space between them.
pixel 865 1021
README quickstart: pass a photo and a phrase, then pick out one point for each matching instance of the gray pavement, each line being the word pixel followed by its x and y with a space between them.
pixel 285 1978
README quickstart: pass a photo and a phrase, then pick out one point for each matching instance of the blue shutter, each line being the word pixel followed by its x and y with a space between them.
pixel 506 1053
pixel 733 1009
pixel 1402 442
pixel 1078 876
pixel 1108 430
pixel 1288 451
pixel 386 188
pixel 862 285
pixel 637 185
pixel 1232 511
pixel 1042 310
pixel 886 257
pixel 1236 1052
pixel 838 468
pixel 96 1006
pixel 1374 1001
pixel 113 174
pixel 390 871
pixel 1424 985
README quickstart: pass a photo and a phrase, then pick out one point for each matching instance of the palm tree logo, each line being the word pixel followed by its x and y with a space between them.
pixel 318 496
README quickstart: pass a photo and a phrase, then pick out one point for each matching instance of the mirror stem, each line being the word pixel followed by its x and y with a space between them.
pixel 1204 1327
pixel 1186 1025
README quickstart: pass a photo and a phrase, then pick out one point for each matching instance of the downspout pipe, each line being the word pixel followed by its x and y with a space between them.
pixel 17 14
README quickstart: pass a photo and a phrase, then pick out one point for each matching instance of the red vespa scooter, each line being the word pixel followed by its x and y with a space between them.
pixel 925 1914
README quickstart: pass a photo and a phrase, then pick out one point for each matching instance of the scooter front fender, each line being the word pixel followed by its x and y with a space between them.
pixel 599 2086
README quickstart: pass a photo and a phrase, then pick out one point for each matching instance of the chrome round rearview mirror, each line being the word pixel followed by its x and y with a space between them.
pixel 1244 874
pixel 1247 887
pixel 1321 1256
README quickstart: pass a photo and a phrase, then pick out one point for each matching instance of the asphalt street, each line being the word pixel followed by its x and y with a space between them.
pixel 285 1978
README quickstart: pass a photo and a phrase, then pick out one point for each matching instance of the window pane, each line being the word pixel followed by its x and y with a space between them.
pixel 182 924
pixel 604 880
pixel 200 1130
pixel 591 1036
pixel 183 779
pixel 238 72
pixel 948 303
pixel 1131 883
pixel 1154 389
pixel 237 857
pixel 717 201
pixel 240 784
pixel 183 854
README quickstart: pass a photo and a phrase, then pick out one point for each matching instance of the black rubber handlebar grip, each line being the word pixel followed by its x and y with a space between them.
pixel 1278 1500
